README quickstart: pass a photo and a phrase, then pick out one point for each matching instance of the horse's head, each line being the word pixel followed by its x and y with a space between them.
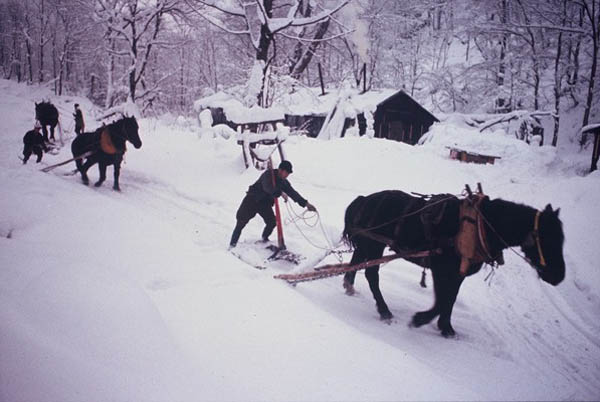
pixel 544 246
pixel 130 127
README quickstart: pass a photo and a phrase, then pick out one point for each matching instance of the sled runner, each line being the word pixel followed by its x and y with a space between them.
pixel 260 255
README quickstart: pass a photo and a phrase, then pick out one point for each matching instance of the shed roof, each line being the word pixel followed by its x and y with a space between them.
pixel 402 94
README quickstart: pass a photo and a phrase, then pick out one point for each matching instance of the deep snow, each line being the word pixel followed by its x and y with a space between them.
pixel 133 295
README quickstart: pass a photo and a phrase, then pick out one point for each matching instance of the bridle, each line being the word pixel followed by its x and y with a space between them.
pixel 532 237
pixel 536 237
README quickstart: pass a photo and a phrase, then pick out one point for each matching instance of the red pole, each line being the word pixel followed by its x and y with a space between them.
pixel 280 242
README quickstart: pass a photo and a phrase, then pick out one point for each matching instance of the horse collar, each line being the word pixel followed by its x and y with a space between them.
pixel 106 143
pixel 471 241
pixel 536 236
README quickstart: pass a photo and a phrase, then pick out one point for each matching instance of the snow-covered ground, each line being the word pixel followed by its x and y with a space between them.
pixel 134 296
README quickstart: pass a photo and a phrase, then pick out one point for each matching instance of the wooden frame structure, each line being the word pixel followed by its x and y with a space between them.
pixel 249 137
pixel 468 156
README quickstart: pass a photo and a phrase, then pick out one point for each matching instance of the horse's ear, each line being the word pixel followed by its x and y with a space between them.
pixel 557 212
pixel 548 208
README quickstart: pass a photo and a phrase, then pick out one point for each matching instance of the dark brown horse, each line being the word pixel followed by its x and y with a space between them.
pixel 47 114
pixel 407 223
pixel 106 146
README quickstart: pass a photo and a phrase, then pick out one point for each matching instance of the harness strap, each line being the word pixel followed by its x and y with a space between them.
pixel 373 236
pixel 536 235
pixel 481 232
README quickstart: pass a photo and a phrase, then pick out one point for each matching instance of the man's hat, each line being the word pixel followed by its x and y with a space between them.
pixel 286 165
pixel 77 105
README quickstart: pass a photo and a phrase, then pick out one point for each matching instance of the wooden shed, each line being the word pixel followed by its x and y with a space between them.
pixel 402 118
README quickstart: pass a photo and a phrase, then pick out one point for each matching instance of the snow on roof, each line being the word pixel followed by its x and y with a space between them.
pixel 302 101
pixel 590 127
pixel 309 101
pixel 236 111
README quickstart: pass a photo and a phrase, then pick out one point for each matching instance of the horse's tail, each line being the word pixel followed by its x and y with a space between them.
pixel 351 217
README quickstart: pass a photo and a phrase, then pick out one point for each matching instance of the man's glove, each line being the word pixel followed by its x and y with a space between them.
pixel 311 207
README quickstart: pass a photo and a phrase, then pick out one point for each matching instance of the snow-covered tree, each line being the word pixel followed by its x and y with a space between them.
pixel 262 22
pixel 132 29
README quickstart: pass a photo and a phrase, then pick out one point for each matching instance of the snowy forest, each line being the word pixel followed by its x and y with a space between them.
pixel 465 56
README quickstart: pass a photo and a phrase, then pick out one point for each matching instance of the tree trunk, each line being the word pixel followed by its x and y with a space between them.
pixel 110 73
pixel 54 69
pixel 305 59
pixel 501 103
pixel 557 77
pixel 573 69
pixel 594 23
pixel 29 61
pixel 41 44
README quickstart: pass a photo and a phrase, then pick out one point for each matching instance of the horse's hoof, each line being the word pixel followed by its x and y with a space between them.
pixel 447 330
pixel 116 188
pixel 349 288
pixel 386 316
pixel 448 333
pixel 86 182
pixel 98 184
pixel 420 319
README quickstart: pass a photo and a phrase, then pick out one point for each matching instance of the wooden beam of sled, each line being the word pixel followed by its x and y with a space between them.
pixel 49 168
pixel 329 270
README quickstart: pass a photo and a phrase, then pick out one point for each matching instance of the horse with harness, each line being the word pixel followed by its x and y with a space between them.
pixel 451 236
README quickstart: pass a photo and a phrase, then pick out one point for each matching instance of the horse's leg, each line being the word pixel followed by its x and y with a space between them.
pixel 446 283
pixel 447 297
pixel 425 317
pixel 117 165
pixel 84 168
pixel 52 131
pixel 349 277
pixel 372 275
pixel 79 164
pixel 39 153
pixel 364 251
pixel 27 153
pixel 45 132
pixel 102 171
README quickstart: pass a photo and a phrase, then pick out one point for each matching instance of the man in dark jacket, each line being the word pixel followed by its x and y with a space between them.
pixel 260 197
pixel 33 142
pixel 79 125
